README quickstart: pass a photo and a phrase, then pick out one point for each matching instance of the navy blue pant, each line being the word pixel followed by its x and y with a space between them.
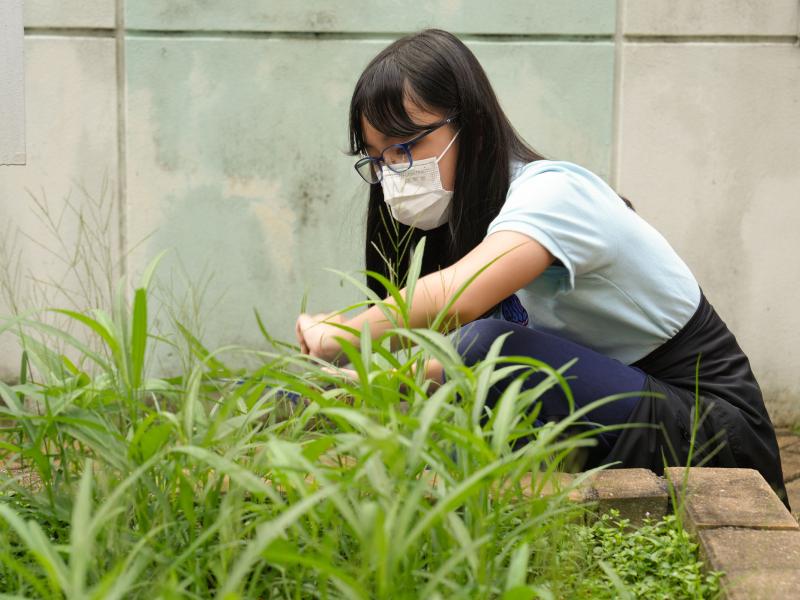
pixel 592 377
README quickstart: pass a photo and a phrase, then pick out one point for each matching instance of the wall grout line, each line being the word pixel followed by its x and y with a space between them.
pixel 364 35
pixel 299 34
pixel 105 32
pixel 122 166
pixel 389 36
pixel 616 109
pixel 710 39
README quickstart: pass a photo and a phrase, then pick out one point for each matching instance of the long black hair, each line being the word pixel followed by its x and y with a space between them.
pixel 436 72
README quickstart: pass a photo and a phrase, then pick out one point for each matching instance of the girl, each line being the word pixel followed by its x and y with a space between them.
pixel 573 271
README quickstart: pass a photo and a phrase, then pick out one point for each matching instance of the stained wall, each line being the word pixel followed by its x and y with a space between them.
pixel 217 131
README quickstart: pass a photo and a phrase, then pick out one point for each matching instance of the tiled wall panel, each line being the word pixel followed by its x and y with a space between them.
pixel 70 13
pixel 710 155
pixel 71 125
pixel 711 17
pixel 382 16
pixel 254 186
pixel 12 85
pixel 234 129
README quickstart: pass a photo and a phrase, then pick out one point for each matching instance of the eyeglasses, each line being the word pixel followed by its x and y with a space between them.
pixel 396 157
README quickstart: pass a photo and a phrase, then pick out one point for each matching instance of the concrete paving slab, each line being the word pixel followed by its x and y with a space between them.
pixel 790 463
pixel 763 585
pixel 757 563
pixel 746 549
pixel 793 490
pixel 788 440
pixel 636 493
pixel 730 498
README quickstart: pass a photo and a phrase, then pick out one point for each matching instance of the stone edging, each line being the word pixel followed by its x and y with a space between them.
pixel 741 525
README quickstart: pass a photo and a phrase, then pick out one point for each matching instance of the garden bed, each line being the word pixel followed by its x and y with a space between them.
pixel 210 484
pixel 743 529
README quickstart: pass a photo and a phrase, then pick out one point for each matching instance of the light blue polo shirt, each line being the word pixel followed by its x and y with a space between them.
pixel 623 291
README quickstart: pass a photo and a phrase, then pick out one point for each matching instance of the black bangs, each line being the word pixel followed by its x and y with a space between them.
pixel 379 97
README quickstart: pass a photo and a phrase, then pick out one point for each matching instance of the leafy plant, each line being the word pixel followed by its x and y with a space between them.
pixel 215 483
pixel 657 560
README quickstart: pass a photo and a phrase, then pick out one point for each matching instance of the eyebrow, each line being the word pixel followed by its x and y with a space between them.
pixel 384 144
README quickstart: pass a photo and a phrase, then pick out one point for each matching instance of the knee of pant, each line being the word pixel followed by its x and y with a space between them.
pixel 474 339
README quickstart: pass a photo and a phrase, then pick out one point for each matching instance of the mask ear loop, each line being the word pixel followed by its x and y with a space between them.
pixel 447 147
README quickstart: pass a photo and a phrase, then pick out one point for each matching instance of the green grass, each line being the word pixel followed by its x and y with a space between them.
pixel 124 485
pixel 657 560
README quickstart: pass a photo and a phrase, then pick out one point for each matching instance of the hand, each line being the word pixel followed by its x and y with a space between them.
pixel 346 375
pixel 316 333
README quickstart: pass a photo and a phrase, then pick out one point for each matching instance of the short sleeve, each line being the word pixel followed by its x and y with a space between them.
pixel 567 214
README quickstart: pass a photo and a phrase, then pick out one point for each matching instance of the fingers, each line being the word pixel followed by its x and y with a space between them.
pixel 310 339
pixel 298 330
pixel 347 374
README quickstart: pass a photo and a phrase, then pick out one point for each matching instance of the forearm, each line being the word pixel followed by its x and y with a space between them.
pixel 431 294
pixel 503 263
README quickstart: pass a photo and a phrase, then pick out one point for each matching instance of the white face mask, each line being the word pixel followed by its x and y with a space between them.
pixel 416 197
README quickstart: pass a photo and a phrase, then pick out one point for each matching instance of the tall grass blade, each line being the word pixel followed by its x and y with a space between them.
pixel 138 337
pixel 266 533
pixel 40 547
pixel 80 547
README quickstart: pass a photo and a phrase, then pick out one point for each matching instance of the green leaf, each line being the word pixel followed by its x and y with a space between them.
pixel 265 534
pixel 149 438
pixel 186 499
pixel 505 415
pixel 285 554
pixel 429 413
pixel 151 268
pixel 80 548
pixel 271 340
pixel 106 335
pixel 414 269
pixel 117 582
pixel 39 546
pixel 202 352
pixel 517 573
pixel 622 590
pixel 23 368
pixel 523 592
pixel 239 474
pixel 138 337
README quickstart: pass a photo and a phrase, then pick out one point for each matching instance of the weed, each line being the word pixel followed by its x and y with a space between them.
pixel 209 484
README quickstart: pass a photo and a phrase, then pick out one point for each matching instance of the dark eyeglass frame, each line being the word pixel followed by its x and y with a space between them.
pixel 372 164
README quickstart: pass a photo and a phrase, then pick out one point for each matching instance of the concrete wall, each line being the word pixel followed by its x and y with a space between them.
pixel 219 130
pixel 707 143
pixel 12 107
